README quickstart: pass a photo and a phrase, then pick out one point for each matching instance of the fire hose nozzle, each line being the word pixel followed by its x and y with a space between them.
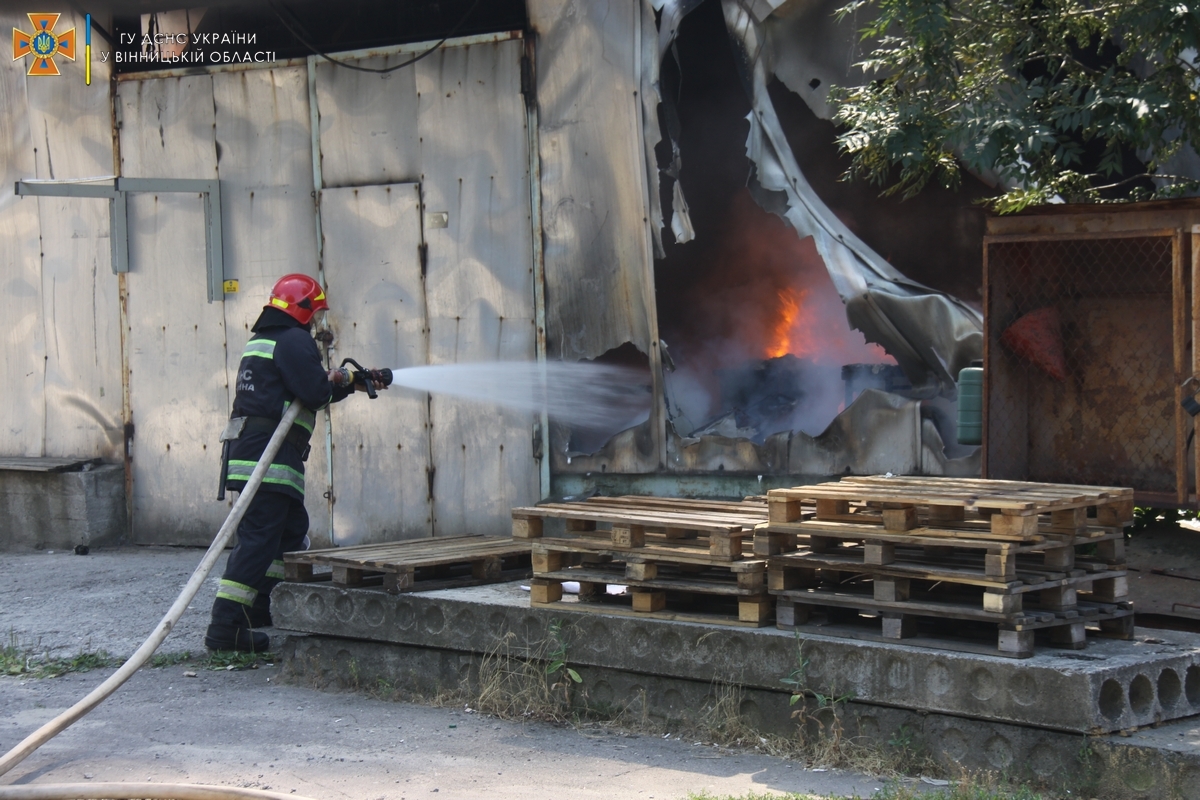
pixel 368 377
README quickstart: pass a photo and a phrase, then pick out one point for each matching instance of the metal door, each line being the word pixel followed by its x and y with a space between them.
pixel 381 475
pixel 456 120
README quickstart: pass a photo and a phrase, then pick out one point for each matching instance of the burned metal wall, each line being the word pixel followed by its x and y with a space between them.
pixel 446 135
pixel 599 267
pixel 59 299
pixel 403 164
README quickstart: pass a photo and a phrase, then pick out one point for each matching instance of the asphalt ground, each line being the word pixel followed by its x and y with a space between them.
pixel 250 728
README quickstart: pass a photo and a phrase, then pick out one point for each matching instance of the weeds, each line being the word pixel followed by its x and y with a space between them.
pixel 160 660
pixel 235 661
pixel 23 661
pixel 536 683
pixel 557 668
pixel 975 788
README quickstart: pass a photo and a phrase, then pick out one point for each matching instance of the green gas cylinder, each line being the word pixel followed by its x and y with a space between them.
pixel 970 404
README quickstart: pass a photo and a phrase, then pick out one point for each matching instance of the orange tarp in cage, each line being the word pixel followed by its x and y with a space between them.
pixel 1037 338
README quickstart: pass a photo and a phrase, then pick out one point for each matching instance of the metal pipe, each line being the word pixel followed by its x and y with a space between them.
pixel 314 130
pixel 64 720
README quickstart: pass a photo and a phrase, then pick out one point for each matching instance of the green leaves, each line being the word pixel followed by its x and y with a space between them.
pixel 1083 100
pixel 557 652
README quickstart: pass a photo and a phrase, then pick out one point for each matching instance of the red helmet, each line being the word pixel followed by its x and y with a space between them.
pixel 298 296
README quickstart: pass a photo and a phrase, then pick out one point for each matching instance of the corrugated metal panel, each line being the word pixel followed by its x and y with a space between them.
pixel 178 382
pixel 23 369
pixel 479 284
pixel 594 213
pixel 454 121
pixel 381 447
pixel 368 123
pixel 80 313
pixel 265 165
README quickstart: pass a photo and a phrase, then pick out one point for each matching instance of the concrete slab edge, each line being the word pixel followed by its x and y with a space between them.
pixel 1110 686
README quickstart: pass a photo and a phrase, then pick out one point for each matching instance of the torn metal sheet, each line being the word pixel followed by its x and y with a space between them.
pixel 930 334
pixel 880 432
pixel 671 13
pixel 812 50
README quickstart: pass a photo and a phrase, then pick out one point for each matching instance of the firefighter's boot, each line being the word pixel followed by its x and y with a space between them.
pixel 259 614
pixel 231 629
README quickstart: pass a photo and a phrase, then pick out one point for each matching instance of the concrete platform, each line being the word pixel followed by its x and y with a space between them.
pixel 1158 764
pixel 1110 686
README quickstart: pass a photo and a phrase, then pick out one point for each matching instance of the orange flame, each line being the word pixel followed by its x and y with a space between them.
pixel 781 332
pixel 802 328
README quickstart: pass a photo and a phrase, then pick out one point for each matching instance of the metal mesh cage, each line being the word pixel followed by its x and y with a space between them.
pixel 1104 410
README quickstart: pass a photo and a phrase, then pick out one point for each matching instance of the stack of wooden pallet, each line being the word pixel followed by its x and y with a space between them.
pixel 937 558
pixel 414 565
pixel 679 559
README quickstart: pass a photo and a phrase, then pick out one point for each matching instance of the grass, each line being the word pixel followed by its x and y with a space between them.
pixel 234 661
pixel 16 660
pixel 19 660
pixel 520 682
pixel 967 789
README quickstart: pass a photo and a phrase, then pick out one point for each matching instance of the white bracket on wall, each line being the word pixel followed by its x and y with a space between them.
pixel 115 191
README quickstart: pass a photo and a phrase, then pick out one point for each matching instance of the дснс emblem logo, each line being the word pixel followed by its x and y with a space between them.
pixel 44 44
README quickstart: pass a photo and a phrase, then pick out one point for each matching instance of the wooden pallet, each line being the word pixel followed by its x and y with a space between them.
pixel 749 508
pixel 671 579
pixel 415 565
pixel 952 508
pixel 1056 588
pixel 704 610
pixel 947 625
pixel 916 589
pixel 995 557
pixel 632 523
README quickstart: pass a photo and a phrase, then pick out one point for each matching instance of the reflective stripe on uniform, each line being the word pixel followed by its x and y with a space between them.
pixel 276 473
pixel 275 570
pixel 306 419
pixel 237 592
pixel 263 348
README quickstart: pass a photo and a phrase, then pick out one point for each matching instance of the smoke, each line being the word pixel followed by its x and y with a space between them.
pixel 759 292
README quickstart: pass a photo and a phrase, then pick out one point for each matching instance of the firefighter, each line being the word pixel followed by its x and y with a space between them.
pixel 280 365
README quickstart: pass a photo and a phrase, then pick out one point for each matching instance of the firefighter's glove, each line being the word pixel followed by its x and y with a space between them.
pixel 361 379
pixel 356 381
pixel 341 377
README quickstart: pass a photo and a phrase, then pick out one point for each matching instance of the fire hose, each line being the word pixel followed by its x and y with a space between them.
pixel 118 791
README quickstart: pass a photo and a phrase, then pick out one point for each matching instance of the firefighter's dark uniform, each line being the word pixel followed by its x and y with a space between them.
pixel 280 365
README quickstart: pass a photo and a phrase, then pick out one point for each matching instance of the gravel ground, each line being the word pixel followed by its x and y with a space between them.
pixel 247 728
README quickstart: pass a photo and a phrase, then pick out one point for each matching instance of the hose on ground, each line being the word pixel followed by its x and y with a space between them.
pixel 62 721
pixel 137 791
